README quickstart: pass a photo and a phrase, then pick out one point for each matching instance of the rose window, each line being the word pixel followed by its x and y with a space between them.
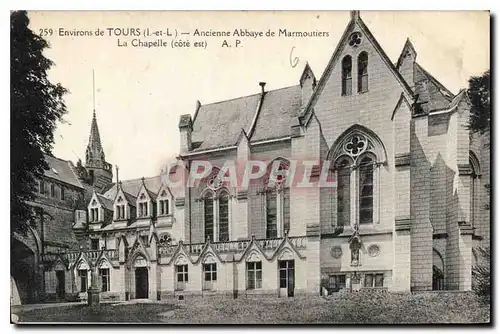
pixel 355 39
pixel 214 183
pixel 356 145
pixel 336 252
pixel 374 250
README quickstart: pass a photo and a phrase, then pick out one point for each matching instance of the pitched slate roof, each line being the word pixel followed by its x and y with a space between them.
pixel 219 124
pixel 431 93
pixel 275 117
pixel 61 170
pixel 132 187
pixel 106 202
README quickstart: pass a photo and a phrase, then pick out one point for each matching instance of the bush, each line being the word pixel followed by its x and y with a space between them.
pixel 481 275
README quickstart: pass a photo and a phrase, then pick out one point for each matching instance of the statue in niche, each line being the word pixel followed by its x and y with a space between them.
pixel 355 246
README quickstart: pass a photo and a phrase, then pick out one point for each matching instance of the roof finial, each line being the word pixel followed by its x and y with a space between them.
pixel 354 15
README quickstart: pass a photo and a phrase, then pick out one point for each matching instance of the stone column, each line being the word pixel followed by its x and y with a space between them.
pixel 402 239
pixel 153 272
pixel 152 280
pixel 94 290
pixel 465 254
pixel 421 242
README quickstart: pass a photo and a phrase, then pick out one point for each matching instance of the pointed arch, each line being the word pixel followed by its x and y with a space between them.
pixel 347 75
pixel 208 215
pixel 181 259
pixel 363 72
pixel 283 167
pixel 83 264
pixel 474 164
pixel 104 263
pixel 59 265
pixel 474 186
pixel 285 254
pixel 209 257
pixel 438 269
pixel 224 214
pixel 276 189
pixel 356 157
pixel 365 140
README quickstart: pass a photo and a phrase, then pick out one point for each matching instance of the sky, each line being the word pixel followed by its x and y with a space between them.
pixel 140 93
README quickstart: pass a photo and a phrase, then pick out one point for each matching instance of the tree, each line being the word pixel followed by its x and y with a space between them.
pixel 481 274
pixel 479 94
pixel 480 120
pixel 35 106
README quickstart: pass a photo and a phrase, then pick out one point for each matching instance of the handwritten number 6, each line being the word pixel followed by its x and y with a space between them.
pixel 293 60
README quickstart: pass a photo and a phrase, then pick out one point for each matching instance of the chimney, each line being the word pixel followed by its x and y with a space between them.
pixel 262 85
pixel 185 129
pixel 117 178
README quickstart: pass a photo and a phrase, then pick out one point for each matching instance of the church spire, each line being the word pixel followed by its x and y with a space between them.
pixel 94 156
pixel 100 172
pixel 94 146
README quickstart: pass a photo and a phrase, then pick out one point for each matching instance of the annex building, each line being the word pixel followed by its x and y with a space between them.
pixel 406 214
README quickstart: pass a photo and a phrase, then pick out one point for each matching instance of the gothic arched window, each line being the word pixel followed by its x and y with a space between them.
pixel 224 217
pixel 277 207
pixel 366 190
pixel 474 185
pixel 347 75
pixel 208 206
pixel 363 72
pixel 343 191
pixel 357 156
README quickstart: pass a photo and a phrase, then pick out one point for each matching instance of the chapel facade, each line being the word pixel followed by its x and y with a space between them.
pixel 406 214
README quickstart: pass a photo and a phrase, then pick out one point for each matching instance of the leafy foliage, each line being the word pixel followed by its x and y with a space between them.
pixel 35 106
pixel 479 94
pixel 481 274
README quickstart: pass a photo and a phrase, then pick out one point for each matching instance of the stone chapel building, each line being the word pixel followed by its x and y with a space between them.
pixel 406 214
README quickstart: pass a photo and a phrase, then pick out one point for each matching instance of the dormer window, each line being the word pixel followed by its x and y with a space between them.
pixel 164 207
pixel 142 206
pixel 120 209
pixel 143 209
pixel 163 204
pixel 94 214
pixel 120 212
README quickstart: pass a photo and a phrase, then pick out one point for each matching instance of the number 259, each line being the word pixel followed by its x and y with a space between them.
pixel 46 32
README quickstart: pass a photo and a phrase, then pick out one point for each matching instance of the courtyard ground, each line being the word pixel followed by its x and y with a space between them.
pixel 353 308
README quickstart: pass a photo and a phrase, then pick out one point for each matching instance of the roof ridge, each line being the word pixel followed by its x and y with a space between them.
pixel 53 156
pixel 433 78
pixel 245 96
pixel 140 178
pixel 355 20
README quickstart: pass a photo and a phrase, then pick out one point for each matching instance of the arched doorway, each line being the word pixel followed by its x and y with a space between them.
pixel 141 275
pixel 23 271
pixel 437 271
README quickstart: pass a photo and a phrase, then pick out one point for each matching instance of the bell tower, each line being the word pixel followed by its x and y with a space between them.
pixel 100 172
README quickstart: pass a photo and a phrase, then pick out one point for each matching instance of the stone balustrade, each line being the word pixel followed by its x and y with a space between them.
pixel 237 246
